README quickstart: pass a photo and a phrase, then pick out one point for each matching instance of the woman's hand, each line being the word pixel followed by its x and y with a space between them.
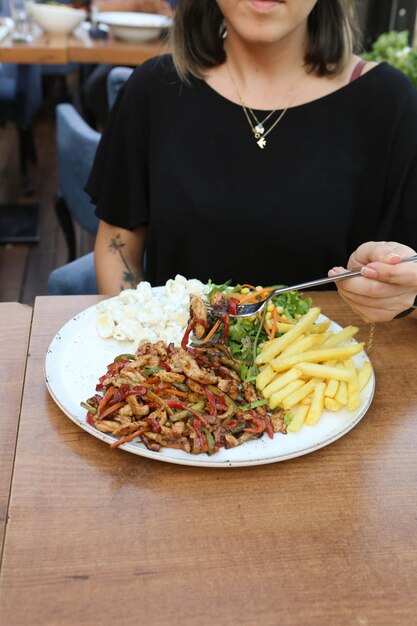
pixel 386 287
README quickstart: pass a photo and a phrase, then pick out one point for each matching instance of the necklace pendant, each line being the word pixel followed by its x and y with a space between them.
pixel 260 129
pixel 257 135
pixel 261 143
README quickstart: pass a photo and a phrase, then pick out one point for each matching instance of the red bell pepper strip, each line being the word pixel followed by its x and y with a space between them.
pixel 226 324
pixel 259 426
pixel 125 390
pixel 177 404
pixel 200 437
pixel 268 427
pixel 190 327
pixel 156 426
pixel 211 402
pixel 233 305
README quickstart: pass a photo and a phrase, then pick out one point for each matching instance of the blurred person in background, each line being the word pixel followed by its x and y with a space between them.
pixel 95 84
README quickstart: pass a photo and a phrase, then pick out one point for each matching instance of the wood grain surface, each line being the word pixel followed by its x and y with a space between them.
pixel 101 537
pixel 14 338
pixel 44 48
pixel 83 49
pixel 79 48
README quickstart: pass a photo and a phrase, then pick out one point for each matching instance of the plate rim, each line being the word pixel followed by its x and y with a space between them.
pixel 105 17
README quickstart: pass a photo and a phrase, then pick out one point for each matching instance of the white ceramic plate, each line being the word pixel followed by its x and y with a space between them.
pixel 136 27
pixel 77 357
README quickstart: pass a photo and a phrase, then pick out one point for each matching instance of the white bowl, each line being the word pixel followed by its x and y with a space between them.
pixel 136 27
pixel 56 19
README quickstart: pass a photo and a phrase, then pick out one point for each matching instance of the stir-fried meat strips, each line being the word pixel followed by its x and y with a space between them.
pixel 107 426
pixel 189 399
pixel 278 423
pixel 198 310
pixel 137 409
pixel 231 387
pixel 220 303
pixel 191 369
pixel 131 376
pixel 252 396
pixel 231 441
pixel 145 360
pixel 195 387
pixel 171 377
pixel 158 349
pixel 127 409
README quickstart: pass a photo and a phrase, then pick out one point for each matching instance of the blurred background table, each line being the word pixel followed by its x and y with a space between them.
pixel 20 222
pixel 78 47
pixel 102 537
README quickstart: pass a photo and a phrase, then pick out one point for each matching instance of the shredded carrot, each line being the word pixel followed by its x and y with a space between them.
pixel 177 392
pixel 151 381
pixel 268 331
pixel 106 398
pixel 280 318
pixel 211 332
pixel 274 323
pixel 255 294
pixel 235 295
pixel 119 442
pixel 238 287
pixel 111 409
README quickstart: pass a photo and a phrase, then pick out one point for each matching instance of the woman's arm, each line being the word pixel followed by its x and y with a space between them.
pixel 118 257
pixel 386 287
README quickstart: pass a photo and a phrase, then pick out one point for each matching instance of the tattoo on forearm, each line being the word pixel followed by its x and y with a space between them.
pixel 116 246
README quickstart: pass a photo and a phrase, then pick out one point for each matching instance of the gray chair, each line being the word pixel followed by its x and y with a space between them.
pixel 116 79
pixel 76 147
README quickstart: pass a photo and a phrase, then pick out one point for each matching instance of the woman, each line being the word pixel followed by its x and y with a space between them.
pixel 263 154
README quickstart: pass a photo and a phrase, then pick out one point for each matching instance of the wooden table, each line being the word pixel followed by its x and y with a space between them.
pixel 15 322
pixel 101 537
pixel 78 48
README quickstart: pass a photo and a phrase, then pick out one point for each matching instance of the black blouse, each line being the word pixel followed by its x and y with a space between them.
pixel 182 159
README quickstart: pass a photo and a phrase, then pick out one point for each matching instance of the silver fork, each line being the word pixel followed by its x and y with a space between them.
pixel 246 310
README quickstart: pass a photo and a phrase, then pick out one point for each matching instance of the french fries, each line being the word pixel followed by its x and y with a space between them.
pixel 315 356
pixel 309 369
pixel 325 371
pixel 280 381
pixel 317 404
pixel 298 419
pixel 274 347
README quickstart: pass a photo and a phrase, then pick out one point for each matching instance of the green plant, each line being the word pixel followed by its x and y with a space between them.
pixel 394 48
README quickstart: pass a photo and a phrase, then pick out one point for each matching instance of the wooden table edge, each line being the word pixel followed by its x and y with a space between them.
pixel 10 469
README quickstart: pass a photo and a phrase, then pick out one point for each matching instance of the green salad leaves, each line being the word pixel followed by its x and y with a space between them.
pixel 247 335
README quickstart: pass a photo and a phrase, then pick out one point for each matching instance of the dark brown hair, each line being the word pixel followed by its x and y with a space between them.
pixel 197 37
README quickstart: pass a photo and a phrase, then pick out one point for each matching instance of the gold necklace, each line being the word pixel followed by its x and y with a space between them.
pixel 258 130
